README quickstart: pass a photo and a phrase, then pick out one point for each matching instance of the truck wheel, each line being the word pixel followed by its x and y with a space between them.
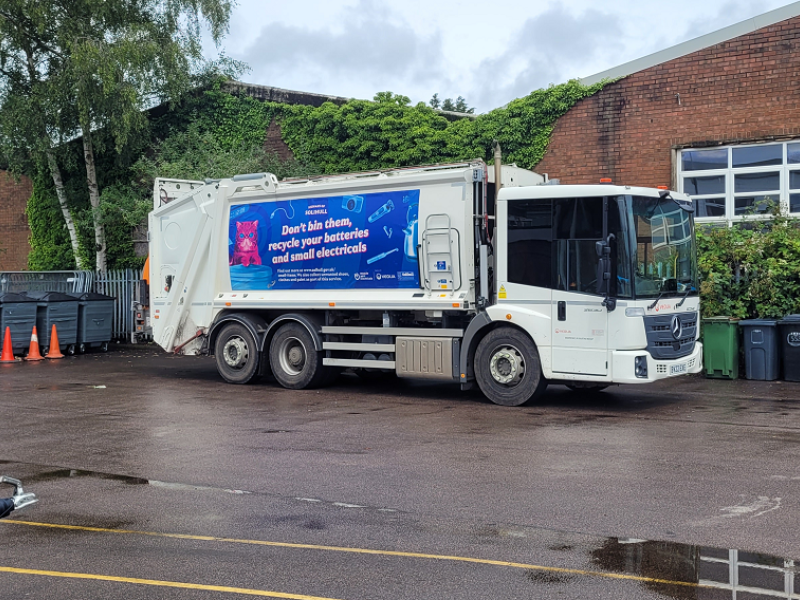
pixel 296 365
pixel 236 354
pixel 508 369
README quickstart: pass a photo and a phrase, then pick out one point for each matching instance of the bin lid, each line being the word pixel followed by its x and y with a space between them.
pixel 720 319
pixel 758 323
pixel 92 296
pixel 9 297
pixel 51 296
pixel 789 319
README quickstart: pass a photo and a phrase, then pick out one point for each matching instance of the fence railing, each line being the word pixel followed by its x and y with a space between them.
pixel 122 284
pixel 66 282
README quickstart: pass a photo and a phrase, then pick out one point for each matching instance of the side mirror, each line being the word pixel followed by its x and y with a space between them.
pixel 603 267
pixel 604 273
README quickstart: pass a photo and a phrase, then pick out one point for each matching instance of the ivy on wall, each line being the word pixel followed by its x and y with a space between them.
pixel 357 135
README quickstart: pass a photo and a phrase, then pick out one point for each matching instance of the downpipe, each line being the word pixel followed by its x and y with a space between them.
pixel 20 498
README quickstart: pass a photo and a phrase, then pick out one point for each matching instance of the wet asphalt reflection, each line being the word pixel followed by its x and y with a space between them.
pixel 157 480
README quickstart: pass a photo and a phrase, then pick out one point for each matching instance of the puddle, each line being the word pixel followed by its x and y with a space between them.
pixel 69 473
pixel 58 474
pixel 687 572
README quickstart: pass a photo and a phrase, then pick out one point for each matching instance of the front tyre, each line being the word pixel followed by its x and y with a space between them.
pixel 295 363
pixel 236 354
pixel 508 368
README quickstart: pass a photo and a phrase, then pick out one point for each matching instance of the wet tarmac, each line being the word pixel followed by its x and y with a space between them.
pixel 157 480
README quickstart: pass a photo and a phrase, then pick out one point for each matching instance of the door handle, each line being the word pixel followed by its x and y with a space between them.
pixel 562 310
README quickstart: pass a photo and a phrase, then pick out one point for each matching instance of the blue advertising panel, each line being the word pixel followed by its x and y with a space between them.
pixel 352 241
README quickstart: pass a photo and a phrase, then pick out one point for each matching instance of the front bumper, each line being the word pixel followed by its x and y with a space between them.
pixel 623 365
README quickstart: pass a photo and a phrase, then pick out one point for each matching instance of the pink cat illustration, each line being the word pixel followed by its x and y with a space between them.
pixel 245 249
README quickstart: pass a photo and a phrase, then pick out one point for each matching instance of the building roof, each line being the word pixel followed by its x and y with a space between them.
pixel 705 41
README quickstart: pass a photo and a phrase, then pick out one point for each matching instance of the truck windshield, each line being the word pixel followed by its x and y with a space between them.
pixel 665 263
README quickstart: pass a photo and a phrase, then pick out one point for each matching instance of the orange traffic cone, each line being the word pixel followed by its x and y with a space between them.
pixel 8 352
pixel 54 351
pixel 33 350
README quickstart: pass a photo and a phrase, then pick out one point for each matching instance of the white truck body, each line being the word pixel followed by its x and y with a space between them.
pixel 395 270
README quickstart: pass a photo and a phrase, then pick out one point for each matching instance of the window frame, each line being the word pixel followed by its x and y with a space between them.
pixel 730 195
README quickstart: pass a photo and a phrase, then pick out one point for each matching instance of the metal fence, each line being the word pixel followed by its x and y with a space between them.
pixel 122 284
pixel 66 282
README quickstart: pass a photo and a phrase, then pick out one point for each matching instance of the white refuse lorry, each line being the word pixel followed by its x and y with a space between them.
pixel 421 273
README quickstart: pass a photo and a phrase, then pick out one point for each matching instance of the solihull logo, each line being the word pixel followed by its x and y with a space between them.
pixel 676 327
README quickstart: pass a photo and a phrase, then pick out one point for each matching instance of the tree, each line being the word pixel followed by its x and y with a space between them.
pixel 31 70
pixel 459 105
pixel 108 62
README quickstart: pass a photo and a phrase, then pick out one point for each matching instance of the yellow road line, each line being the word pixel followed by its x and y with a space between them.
pixel 445 557
pixel 170 584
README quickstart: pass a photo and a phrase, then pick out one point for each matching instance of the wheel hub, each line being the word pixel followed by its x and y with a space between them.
pixel 295 356
pixel 292 356
pixel 235 352
pixel 506 365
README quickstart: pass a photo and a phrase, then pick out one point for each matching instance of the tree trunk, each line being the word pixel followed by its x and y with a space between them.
pixel 55 172
pixel 94 200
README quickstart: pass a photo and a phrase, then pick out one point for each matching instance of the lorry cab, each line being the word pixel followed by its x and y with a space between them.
pixel 607 277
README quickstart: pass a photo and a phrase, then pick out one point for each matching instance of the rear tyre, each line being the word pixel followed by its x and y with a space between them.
pixel 236 354
pixel 295 363
pixel 508 368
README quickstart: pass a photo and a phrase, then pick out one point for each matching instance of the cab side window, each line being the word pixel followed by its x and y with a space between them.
pixel 578 225
pixel 530 239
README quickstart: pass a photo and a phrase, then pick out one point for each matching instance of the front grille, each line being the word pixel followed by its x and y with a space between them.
pixel 661 344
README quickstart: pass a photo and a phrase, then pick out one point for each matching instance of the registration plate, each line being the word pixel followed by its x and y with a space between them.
pixel 677 369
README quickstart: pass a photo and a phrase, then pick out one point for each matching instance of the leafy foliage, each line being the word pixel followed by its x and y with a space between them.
pixel 750 269
pixel 50 246
pixel 213 133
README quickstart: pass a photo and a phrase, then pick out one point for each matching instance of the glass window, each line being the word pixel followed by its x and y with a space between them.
pixel 576 266
pixel 664 248
pixel 704 160
pixel 793 153
pixel 530 233
pixel 758 156
pixel 702 186
pixel 578 218
pixel 757 182
pixel 710 207
pixel 758 178
pixel 754 204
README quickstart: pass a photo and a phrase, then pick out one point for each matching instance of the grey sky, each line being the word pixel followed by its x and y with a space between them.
pixel 490 53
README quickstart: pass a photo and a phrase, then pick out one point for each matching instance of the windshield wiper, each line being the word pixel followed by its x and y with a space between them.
pixel 689 289
pixel 660 296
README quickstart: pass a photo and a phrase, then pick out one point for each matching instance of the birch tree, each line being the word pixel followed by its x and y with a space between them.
pixel 30 66
pixel 114 60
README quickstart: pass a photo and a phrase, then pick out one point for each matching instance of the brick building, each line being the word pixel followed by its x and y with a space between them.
pixel 717 117
pixel 14 231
